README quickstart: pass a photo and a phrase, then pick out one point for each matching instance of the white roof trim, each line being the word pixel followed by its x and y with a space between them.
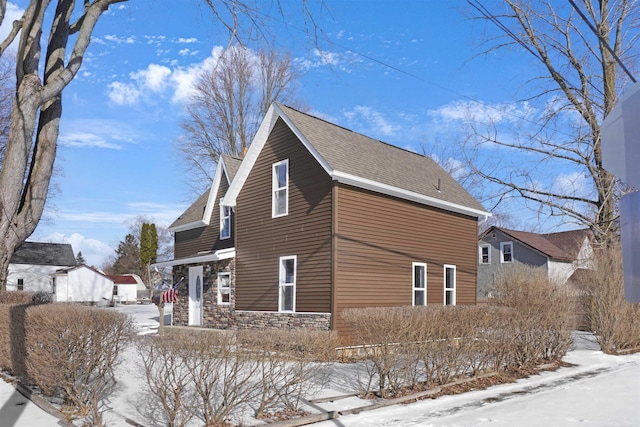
pixel 215 256
pixel 367 184
pixel 261 137
pixel 251 156
pixel 211 202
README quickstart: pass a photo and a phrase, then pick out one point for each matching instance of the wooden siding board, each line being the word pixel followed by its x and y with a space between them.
pixel 304 232
pixel 377 240
pixel 189 243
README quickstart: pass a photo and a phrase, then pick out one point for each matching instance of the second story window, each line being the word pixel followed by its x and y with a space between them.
pixel 485 254
pixel 506 252
pixel 280 189
pixel 225 222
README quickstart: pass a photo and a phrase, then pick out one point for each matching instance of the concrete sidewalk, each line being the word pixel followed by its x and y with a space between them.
pixel 18 411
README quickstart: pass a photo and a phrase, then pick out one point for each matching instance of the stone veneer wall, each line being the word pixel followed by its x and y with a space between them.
pixel 224 316
pixel 271 319
pixel 214 315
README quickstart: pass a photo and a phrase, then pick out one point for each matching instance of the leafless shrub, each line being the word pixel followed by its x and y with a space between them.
pixel 72 352
pixel 540 314
pixel 167 375
pixel 289 365
pixel 10 297
pixel 224 379
pixel 381 330
pixel 612 319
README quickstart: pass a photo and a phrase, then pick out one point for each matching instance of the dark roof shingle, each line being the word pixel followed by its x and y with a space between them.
pixel 36 253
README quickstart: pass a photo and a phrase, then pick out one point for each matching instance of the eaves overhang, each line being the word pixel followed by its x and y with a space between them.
pixel 219 255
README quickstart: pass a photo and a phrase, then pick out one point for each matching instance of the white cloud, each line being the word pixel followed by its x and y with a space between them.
pixel 187 40
pixel 120 40
pixel 575 184
pixel 94 251
pixel 86 139
pixel 479 112
pixel 320 58
pixel 98 133
pixel 154 77
pixel 123 93
pixel 374 120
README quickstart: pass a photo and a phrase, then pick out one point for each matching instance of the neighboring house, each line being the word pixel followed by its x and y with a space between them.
pixel 82 284
pixel 317 219
pixel 126 287
pixel 33 263
pixel 561 254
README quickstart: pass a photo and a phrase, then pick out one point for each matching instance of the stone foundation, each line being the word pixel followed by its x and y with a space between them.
pixel 224 316
pixel 270 319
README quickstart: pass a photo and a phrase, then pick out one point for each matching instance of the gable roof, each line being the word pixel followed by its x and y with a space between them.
pixel 570 241
pixel 199 213
pixel 63 271
pixel 36 253
pixel 122 279
pixel 561 246
pixel 363 162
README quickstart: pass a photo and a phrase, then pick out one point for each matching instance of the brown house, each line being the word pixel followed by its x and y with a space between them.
pixel 321 219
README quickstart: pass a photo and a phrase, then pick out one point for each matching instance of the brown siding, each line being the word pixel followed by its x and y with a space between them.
pixel 377 239
pixel 304 232
pixel 188 243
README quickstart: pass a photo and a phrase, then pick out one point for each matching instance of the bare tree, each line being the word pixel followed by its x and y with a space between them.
pixel 228 104
pixel 558 129
pixel 37 104
pixel 7 91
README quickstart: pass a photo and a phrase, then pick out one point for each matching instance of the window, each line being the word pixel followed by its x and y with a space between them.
pixel 287 299
pixel 506 252
pixel 224 288
pixel 21 284
pixel 225 222
pixel 280 189
pixel 419 283
pixel 449 285
pixel 484 253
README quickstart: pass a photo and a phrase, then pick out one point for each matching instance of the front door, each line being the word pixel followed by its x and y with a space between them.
pixel 195 296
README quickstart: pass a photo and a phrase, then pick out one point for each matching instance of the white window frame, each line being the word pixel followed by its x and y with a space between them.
pixel 413 283
pixel 276 188
pixel 282 284
pixel 225 218
pixel 502 245
pixel 451 289
pixel 224 289
pixel 480 256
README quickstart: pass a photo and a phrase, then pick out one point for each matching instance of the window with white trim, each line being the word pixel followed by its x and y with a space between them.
pixel 506 252
pixel 287 284
pixel 225 221
pixel 449 284
pixel 224 288
pixel 484 254
pixel 21 284
pixel 280 189
pixel 419 283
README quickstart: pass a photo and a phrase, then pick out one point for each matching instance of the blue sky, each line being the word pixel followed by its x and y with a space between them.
pixel 402 72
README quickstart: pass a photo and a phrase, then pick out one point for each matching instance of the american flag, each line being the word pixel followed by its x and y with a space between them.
pixel 172 294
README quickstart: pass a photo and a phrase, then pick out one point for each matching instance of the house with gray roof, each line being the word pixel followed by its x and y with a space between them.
pixel 33 264
pixel 316 219
pixel 561 254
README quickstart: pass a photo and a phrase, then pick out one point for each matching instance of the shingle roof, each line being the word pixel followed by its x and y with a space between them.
pixel 195 212
pixel 570 241
pixel 122 279
pixel 36 253
pixel 361 156
pixel 562 246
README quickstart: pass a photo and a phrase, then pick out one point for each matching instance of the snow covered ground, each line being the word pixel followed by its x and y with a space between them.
pixel 601 390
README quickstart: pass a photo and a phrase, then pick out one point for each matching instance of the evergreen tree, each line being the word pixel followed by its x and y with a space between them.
pixel 127 257
pixel 148 248
pixel 80 259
